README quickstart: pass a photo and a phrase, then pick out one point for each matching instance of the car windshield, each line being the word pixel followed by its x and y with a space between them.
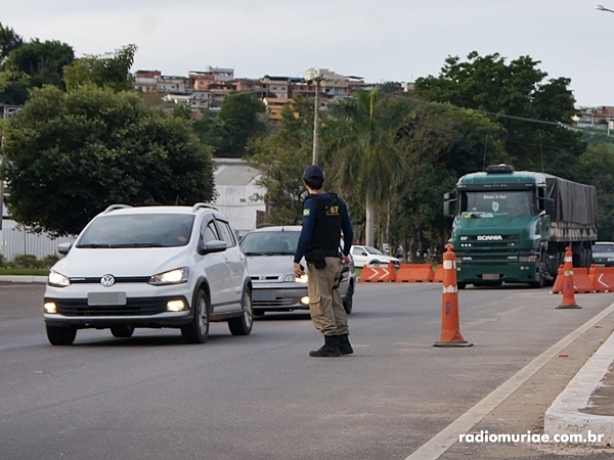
pixel 138 231
pixel 603 247
pixel 372 250
pixel 270 243
pixel 491 204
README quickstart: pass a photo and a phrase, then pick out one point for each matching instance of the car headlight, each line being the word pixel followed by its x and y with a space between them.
pixel 177 276
pixel 293 279
pixel 57 279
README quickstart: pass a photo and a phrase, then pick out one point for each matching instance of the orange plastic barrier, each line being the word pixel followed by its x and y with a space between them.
pixel 582 282
pixel 377 273
pixel 438 276
pixel 450 327
pixel 602 278
pixel 569 300
pixel 416 273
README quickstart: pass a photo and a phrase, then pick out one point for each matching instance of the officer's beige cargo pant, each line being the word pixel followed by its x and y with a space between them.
pixel 325 305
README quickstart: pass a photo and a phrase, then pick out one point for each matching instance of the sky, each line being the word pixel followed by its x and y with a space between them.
pixel 383 40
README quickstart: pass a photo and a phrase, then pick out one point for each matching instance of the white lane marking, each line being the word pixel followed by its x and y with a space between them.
pixel 447 437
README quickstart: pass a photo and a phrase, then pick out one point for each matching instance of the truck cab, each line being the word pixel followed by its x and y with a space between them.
pixel 501 227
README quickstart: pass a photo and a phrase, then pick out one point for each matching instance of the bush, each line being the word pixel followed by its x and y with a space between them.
pixel 48 261
pixel 2 261
pixel 25 261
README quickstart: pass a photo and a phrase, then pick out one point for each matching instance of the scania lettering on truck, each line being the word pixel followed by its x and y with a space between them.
pixel 513 226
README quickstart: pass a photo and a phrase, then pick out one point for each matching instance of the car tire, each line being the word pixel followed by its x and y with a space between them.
pixel 243 324
pixel 198 330
pixel 461 285
pixel 349 299
pixel 122 331
pixel 61 335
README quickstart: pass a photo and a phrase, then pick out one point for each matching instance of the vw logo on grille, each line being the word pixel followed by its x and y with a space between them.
pixel 107 280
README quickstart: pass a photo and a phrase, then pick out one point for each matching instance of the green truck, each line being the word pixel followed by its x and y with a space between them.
pixel 513 226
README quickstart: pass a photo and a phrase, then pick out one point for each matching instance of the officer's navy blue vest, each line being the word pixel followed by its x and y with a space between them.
pixel 327 227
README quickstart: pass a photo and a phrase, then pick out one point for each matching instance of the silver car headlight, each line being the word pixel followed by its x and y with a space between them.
pixel 58 280
pixel 293 279
pixel 178 276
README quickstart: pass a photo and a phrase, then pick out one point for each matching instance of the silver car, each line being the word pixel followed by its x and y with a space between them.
pixel 270 258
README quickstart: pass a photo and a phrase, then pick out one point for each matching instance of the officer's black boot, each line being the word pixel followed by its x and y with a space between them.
pixel 344 345
pixel 329 349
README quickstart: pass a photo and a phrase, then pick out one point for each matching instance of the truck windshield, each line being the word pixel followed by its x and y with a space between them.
pixel 497 203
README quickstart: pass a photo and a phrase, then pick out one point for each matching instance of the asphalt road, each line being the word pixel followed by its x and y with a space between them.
pixel 261 396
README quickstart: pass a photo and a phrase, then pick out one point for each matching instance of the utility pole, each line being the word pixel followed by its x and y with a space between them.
pixel 7 111
pixel 316 121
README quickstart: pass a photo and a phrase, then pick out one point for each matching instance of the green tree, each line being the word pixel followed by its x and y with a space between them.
pixel 281 158
pixel 9 41
pixel 41 61
pixel 596 167
pixel 532 109
pixel 70 155
pixel 111 69
pixel 237 122
pixel 360 144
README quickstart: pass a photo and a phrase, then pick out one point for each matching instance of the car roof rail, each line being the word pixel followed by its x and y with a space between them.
pixel 198 206
pixel 113 207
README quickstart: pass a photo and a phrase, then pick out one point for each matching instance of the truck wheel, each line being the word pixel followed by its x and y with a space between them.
pixel 461 285
pixel 198 330
pixel 61 335
pixel 122 331
pixel 243 324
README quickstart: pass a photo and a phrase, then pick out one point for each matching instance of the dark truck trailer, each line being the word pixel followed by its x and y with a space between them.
pixel 513 226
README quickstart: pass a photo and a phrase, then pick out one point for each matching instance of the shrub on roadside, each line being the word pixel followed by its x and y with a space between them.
pixel 25 261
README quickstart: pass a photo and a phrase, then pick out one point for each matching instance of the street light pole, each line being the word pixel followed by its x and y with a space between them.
pixel 316 121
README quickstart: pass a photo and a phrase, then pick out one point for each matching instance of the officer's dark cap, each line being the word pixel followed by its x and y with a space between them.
pixel 313 172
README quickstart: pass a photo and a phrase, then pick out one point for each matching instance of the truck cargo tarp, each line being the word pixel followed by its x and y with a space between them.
pixel 573 202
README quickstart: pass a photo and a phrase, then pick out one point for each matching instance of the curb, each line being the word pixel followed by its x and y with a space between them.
pixel 564 416
pixel 22 279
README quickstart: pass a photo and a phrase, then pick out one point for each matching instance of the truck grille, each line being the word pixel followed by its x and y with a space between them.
pixel 489 252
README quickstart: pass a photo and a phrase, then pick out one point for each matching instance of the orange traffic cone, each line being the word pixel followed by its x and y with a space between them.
pixel 450 328
pixel 569 300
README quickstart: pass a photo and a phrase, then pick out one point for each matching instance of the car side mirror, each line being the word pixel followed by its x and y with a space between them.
pixel 212 246
pixel 63 248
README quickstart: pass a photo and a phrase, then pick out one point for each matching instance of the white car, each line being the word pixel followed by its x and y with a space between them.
pixel 270 262
pixel 153 266
pixel 368 255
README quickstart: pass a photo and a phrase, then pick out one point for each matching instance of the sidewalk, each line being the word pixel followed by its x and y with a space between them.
pixel 587 403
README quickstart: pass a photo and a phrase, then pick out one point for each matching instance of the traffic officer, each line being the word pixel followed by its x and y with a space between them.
pixel 325 216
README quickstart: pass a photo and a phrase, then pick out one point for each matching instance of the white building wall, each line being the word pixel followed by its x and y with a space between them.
pixel 239 204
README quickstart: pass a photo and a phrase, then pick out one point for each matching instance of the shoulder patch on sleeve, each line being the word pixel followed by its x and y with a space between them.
pixel 306 212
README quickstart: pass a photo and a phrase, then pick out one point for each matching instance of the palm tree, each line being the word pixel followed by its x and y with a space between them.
pixel 362 133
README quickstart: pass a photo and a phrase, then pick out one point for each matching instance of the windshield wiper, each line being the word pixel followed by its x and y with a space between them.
pixel 94 245
pixel 137 245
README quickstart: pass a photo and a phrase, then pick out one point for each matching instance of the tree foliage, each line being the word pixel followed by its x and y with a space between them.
pixel 517 95
pixel 282 158
pixel 360 144
pixel 9 41
pixel 237 122
pixel 70 155
pixel 111 70
pixel 43 62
